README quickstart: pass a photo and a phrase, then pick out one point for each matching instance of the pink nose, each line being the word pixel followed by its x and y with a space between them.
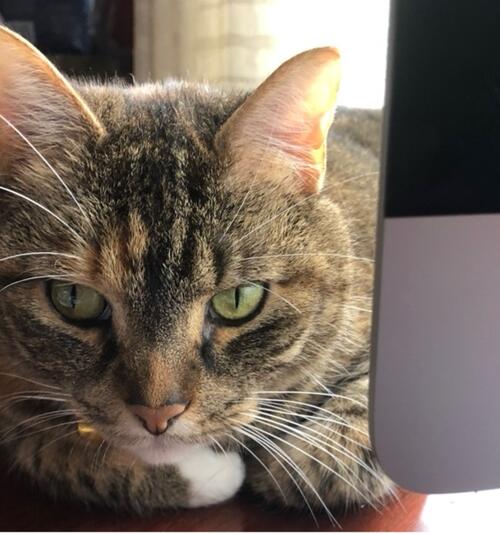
pixel 155 420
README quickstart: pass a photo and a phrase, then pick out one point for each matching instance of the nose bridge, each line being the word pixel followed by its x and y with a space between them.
pixel 162 366
pixel 160 375
pixel 171 378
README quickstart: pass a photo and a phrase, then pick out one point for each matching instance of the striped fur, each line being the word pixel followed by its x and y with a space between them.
pixel 163 226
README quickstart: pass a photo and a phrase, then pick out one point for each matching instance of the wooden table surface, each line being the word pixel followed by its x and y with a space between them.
pixel 22 509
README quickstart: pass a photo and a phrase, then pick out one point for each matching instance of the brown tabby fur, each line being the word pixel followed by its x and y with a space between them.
pixel 169 226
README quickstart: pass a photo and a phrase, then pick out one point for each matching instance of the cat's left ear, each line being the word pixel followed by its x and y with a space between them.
pixel 36 98
pixel 279 133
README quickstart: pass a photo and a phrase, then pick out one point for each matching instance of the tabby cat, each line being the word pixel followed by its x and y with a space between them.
pixel 185 287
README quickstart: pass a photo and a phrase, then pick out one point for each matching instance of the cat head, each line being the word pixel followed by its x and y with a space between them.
pixel 167 254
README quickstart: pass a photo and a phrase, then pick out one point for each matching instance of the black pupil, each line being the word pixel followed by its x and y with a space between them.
pixel 73 296
pixel 236 297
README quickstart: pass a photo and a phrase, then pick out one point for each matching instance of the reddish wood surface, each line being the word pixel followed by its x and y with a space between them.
pixel 22 509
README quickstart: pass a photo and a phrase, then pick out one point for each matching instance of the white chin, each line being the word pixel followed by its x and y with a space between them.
pixel 161 452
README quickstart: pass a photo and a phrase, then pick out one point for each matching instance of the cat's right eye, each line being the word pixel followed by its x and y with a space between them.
pixel 238 304
pixel 78 303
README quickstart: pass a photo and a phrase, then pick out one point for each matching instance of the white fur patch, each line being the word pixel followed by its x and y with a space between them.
pixel 213 477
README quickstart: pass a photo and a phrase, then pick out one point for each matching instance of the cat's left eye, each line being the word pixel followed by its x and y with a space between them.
pixel 238 304
pixel 78 303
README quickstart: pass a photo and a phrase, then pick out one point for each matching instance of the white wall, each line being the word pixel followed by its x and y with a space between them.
pixel 239 42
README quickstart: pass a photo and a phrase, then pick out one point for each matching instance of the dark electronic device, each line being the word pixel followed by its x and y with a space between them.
pixel 435 373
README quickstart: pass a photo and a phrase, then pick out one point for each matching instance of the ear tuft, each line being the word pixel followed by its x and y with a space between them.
pixel 281 129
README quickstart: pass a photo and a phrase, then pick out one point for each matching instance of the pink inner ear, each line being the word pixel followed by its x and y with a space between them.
pixel 306 154
pixel 285 122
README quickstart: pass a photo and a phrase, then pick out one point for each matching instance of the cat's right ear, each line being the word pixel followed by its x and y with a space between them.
pixel 278 135
pixel 36 99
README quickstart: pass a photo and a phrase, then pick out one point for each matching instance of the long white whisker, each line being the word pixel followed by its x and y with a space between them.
pixel 50 167
pixel 44 208
pixel 333 254
pixel 16 400
pixel 278 454
pixel 37 420
pixel 94 462
pixel 12 375
pixel 353 178
pixel 273 293
pixel 345 339
pixel 57 439
pixel 319 444
pixel 285 457
pixel 317 460
pixel 218 444
pixel 311 407
pixel 31 278
pixel 338 367
pixel 321 385
pixel 37 397
pixel 23 436
pixel 269 408
pixel 103 459
pixel 235 217
pixel 304 414
pixel 261 463
pixel 331 395
pixel 33 392
pixel 339 420
pixel 302 201
pixel 271 419
pixel 254 177
pixel 276 451
pixel 335 445
pixel 25 254
pixel 357 308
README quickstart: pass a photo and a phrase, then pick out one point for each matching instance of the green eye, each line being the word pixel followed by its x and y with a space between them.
pixel 78 303
pixel 239 304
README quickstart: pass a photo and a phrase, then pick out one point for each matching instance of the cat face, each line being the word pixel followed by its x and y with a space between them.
pixel 174 256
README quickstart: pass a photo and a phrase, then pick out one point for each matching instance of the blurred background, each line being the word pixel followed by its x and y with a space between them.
pixel 230 42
